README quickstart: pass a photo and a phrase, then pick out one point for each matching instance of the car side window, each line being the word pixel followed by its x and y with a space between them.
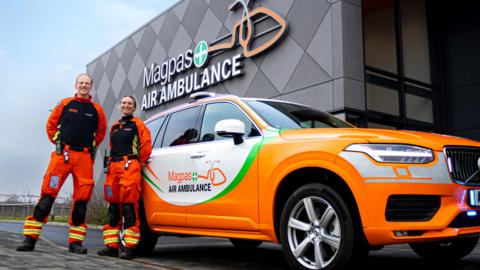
pixel 220 111
pixel 154 126
pixel 181 128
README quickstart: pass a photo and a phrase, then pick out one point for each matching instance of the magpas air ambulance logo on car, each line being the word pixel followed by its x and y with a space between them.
pixel 242 35
pixel 186 183
pixel 193 182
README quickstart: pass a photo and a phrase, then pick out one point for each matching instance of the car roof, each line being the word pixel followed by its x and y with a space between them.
pixel 206 97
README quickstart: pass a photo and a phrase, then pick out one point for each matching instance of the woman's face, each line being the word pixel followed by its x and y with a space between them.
pixel 127 106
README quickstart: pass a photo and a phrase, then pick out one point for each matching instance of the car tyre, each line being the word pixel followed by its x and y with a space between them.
pixel 452 250
pixel 316 229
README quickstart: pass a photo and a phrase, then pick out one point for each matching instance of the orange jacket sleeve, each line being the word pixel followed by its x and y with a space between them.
pixel 102 125
pixel 145 141
pixel 54 118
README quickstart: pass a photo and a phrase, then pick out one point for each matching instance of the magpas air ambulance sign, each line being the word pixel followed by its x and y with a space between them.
pixel 188 72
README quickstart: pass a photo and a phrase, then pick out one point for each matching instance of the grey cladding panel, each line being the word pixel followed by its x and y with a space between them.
pixel 102 87
pixel 352 41
pixel 220 8
pixel 181 8
pixel 194 16
pixel 169 29
pixel 157 24
pixel 97 73
pixel 320 47
pixel 307 73
pixel 128 54
pixel 112 64
pixel 146 44
pixel 158 54
pixel 135 73
pixel 109 102
pixel 209 28
pixel 118 80
pixel 181 43
pixel 281 62
pixel 261 87
pixel 137 37
pixel 318 96
pixel 304 17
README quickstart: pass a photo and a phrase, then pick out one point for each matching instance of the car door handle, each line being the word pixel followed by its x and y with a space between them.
pixel 197 155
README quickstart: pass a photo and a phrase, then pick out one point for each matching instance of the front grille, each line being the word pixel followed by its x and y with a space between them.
pixel 463 164
pixel 404 208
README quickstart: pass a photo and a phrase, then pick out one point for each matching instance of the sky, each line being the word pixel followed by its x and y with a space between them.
pixel 43 46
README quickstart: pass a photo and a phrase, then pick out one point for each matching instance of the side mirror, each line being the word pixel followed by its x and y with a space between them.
pixel 231 128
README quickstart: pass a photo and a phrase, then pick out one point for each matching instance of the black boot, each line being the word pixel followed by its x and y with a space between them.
pixel 28 244
pixel 108 251
pixel 127 254
pixel 76 247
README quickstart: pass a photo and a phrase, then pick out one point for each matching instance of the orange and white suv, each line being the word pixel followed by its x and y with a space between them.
pixel 256 170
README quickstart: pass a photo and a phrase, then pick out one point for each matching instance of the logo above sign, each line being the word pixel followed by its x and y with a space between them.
pixel 242 34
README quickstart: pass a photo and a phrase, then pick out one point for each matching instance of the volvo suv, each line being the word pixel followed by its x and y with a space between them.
pixel 255 170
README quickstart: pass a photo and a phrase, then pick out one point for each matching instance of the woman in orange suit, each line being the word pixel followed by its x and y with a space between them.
pixel 130 147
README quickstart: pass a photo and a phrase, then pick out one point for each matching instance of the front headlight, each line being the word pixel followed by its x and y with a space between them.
pixel 394 153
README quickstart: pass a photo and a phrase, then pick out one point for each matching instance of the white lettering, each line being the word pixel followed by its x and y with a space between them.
pixel 148 76
pixel 215 78
pixel 153 101
pixel 189 84
pixel 164 73
pixel 144 102
pixel 180 63
pixel 205 78
pixel 188 59
pixel 163 95
pixel 237 65
pixel 156 75
pixel 196 86
pixel 226 72
pixel 171 68
pixel 181 87
pixel 172 90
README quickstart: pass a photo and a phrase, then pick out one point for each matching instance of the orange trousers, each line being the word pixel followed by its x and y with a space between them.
pixel 80 165
pixel 122 191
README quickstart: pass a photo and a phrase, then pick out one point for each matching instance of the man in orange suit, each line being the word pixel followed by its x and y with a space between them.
pixel 75 126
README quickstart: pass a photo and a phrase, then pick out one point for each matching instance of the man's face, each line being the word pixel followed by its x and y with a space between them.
pixel 83 86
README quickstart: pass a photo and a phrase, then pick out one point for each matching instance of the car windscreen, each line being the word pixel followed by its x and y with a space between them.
pixel 284 115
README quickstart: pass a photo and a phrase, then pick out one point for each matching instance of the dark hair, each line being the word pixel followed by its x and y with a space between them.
pixel 134 101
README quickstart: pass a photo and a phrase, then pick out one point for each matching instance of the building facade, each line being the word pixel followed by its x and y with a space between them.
pixel 400 64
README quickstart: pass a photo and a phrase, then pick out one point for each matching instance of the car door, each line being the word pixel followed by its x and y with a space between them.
pixel 169 167
pixel 224 193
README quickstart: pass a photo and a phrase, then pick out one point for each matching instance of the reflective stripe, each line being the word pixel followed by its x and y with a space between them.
pixel 76 236
pixel 131 233
pixel 131 240
pixel 33 223
pixel 78 228
pixel 55 137
pixel 111 240
pixel 111 232
pixel 32 230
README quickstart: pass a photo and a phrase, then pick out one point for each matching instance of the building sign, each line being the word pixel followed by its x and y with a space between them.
pixel 164 81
